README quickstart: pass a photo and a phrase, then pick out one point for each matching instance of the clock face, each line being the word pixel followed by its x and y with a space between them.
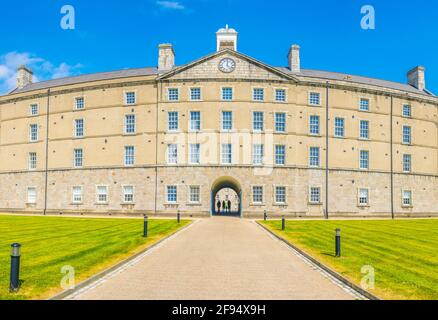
pixel 227 65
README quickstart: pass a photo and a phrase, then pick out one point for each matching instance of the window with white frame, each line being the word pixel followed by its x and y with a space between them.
pixel 280 122
pixel 195 94
pixel 280 155
pixel 363 197
pixel 407 111
pixel 280 95
pixel 407 198
pixel 227 120
pixel 257 154
pixel 32 160
pixel 77 194
pixel 364 130
pixel 102 194
pixel 130 124
pixel 195 156
pixel 173 94
pixel 129 155
pixel 258 121
pixel 314 98
pixel 79 128
pixel 407 163
pixel 33 132
pixel 315 195
pixel 339 127
pixel 280 195
pixel 130 98
pixel 227 153
pixel 79 103
pixel 195 121
pixel 195 194
pixel 128 194
pixel 258 94
pixel 257 194
pixel 364 104
pixel 172 121
pixel 172 194
pixel 407 135
pixel 172 154
pixel 314 157
pixel 78 156
pixel 227 94
pixel 34 109
pixel 31 195
pixel 364 159
pixel 314 125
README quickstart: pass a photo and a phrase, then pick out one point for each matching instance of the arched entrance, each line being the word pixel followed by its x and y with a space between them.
pixel 228 190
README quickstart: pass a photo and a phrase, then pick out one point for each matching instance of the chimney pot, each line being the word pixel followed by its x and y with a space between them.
pixel 294 58
pixel 24 76
pixel 166 57
pixel 416 78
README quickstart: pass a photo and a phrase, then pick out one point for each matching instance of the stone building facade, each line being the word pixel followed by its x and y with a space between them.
pixel 287 140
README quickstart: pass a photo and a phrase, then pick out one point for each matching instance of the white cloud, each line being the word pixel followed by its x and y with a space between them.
pixel 42 69
pixel 174 5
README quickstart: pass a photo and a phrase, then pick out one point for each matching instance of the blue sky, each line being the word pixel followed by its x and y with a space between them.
pixel 111 35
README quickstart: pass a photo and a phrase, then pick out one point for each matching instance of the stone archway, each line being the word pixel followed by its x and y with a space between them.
pixel 227 183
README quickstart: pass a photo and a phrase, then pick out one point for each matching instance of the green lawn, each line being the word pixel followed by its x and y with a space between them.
pixel 88 245
pixel 404 253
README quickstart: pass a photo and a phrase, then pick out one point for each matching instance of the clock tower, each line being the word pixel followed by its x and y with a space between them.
pixel 226 38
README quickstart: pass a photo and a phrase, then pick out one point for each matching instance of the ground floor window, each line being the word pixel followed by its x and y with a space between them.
pixel 257 194
pixel 195 194
pixel 315 195
pixel 407 198
pixel 128 193
pixel 77 194
pixel 102 194
pixel 363 197
pixel 280 195
pixel 31 195
pixel 172 195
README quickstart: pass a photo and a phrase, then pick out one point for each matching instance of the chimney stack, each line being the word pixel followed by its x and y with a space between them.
pixel 416 78
pixel 166 57
pixel 24 76
pixel 294 58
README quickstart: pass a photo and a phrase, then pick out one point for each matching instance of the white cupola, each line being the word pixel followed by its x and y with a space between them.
pixel 226 38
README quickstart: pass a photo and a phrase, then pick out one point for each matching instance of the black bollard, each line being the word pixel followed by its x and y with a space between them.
pixel 338 243
pixel 15 267
pixel 283 223
pixel 145 227
pixel 178 217
pixel 265 216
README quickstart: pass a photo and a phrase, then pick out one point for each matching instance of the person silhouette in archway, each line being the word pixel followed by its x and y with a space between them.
pixel 229 206
pixel 218 206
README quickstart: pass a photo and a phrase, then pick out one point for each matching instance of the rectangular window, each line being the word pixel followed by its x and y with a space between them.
pixel 79 128
pixel 77 194
pixel 32 160
pixel 258 121
pixel 364 104
pixel 195 121
pixel 129 155
pixel 364 160
pixel 258 94
pixel 314 99
pixel 314 125
pixel 227 120
pixel 34 109
pixel 339 127
pixel 173 94
pixel 195 194
pixel 79 103
pixel 173 121
pixel 407 198
pixel 363 197
pixel 130 98
pixel 364 129
pixel 280 95
pixel 172 154
pixel 315 195
pixel 129 124
pixel 280 195
pixel 227 94
pixel 102 194
pixel 78 158
pixel 407 135
pixel 257 154
pixel 33 132
pixel 280 122
pixel 31 195
pixel 195 94
pixel 407 163
pixel 314 157
pixel 128 194
pixel 195 157
pixel 172 194
pixel 407 111
pixel 227 153
pixel 280 155
pixel 257 194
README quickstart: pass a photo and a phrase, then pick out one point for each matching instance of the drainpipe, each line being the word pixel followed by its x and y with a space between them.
pixel 46 170
pixel 392 157
pixel 156 147
pixel 327 151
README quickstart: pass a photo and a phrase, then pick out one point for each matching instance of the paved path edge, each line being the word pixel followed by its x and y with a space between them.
pixel 333 273
pixel 119 265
